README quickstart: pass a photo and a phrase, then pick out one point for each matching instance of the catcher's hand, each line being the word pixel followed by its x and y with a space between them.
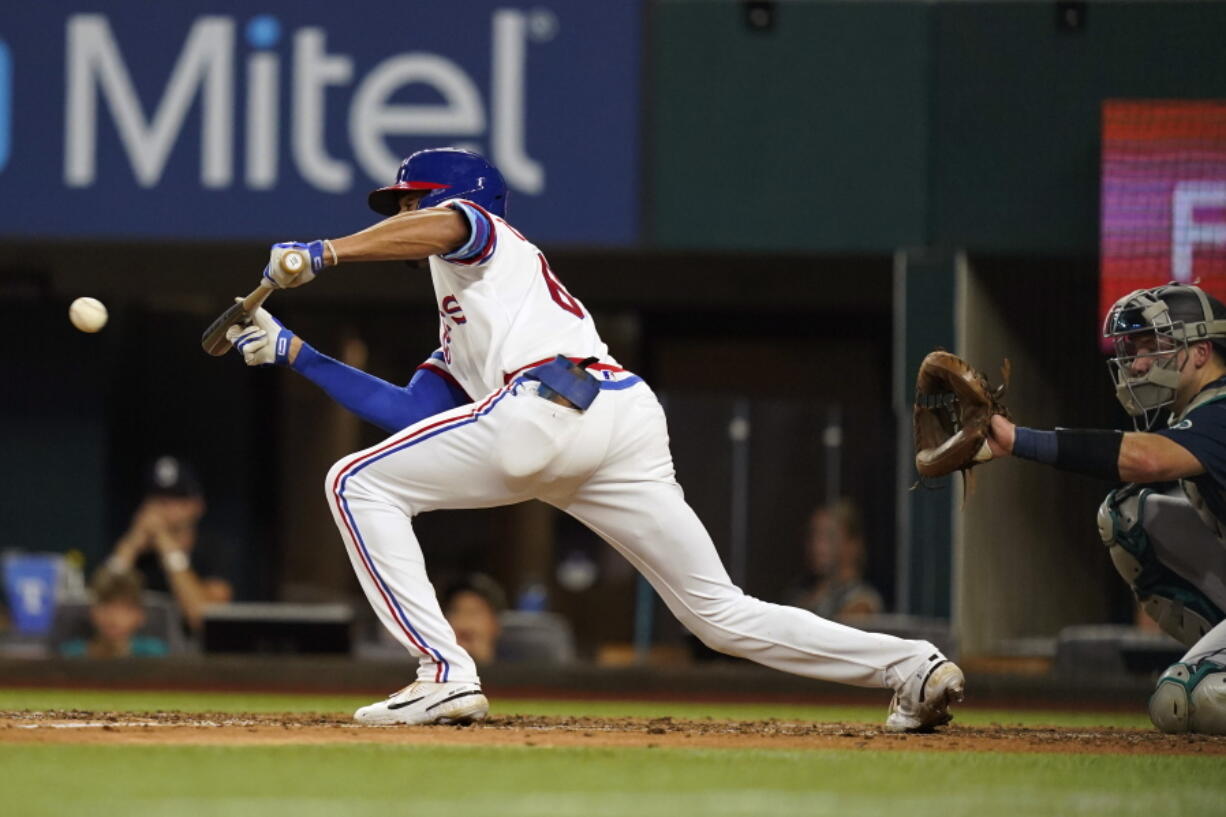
pixel 954 405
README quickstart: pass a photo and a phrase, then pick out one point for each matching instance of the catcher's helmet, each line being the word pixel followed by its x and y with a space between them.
pixel 447 173
pixel 1156 324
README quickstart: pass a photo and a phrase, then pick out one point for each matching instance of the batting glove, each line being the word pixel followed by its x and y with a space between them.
pixel 263 342
pixel 292 263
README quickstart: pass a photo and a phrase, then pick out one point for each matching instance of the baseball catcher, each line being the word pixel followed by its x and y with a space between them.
pixel 1164 528
pixel 953 408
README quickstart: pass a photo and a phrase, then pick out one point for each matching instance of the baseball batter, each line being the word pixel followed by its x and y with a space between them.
pixel 1164 529
pixel 522 400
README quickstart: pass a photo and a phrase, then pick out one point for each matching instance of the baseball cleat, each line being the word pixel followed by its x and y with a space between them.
pixel 922 702
pixel 423 702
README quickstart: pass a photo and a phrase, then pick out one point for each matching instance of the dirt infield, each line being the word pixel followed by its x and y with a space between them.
pixel 177 728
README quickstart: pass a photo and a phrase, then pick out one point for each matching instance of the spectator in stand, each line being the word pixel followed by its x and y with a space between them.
pixel 164 533
pixel 835 587
pixel 116 615
pixel 472 606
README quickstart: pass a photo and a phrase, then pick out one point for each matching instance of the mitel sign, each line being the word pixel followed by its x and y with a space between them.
pixel 205 72
pixel 264 116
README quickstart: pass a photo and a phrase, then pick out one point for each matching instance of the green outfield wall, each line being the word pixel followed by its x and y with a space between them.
pixel 871 126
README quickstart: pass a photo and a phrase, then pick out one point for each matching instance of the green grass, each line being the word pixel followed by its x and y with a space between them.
pixel 35 699
pixel 385 780
pixel 364 779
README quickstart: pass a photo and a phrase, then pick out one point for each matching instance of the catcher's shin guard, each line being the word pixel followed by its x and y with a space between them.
pixel 1179 608
pixel 1191 698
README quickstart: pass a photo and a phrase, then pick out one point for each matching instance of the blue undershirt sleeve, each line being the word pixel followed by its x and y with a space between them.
pixel 376 401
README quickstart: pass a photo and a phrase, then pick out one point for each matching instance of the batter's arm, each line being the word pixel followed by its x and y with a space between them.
pixel 268 342
pixel 405 237
pixel 376 401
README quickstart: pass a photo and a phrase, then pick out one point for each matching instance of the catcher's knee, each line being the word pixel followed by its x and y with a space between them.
pixel 1178 606
pixel 1190 698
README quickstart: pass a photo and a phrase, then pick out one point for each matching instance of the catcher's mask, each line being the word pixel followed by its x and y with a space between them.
pixel 1149 328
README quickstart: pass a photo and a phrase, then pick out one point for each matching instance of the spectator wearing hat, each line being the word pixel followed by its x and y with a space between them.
pixel 116 614
pixel 164 533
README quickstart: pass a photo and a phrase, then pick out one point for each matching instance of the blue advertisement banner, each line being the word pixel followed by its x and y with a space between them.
pixel 223 120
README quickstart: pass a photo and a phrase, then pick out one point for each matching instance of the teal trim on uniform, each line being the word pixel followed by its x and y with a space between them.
pixel 1201 670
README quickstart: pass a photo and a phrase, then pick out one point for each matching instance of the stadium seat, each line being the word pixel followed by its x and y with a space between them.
pixel 544 638
pixel 162 620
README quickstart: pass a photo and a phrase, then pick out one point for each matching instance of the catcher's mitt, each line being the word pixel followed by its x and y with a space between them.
pixel 953 407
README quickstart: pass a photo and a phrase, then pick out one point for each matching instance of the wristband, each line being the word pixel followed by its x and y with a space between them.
pixel 316 250
pixel 1091 452
pixel 1031 444
pixel 281 347
pixel 175 561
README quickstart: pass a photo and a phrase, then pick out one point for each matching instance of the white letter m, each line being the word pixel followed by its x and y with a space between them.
pixel 206 63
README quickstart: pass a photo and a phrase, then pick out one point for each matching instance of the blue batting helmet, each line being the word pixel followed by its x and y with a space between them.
pixel 445 173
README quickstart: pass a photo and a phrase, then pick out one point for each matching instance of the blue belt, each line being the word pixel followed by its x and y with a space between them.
pixel 566 383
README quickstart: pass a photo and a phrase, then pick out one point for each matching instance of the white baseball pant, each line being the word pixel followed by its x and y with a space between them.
pixel 610 468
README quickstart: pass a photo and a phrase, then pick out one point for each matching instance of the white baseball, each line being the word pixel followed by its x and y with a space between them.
pixel 87 314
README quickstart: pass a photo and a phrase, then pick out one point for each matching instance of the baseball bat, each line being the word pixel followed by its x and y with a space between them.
pixel 214 339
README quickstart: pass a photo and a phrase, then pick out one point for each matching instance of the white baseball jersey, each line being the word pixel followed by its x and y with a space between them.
pixel 501 308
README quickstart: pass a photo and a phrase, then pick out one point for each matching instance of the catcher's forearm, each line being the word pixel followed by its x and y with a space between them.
pixel 405 237
pixel 1111 455
pixel 1093 453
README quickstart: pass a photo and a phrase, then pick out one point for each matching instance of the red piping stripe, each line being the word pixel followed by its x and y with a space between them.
pixel 600 367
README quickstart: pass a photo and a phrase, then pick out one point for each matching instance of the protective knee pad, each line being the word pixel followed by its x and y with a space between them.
pixel 1179 608
pixel 1190 698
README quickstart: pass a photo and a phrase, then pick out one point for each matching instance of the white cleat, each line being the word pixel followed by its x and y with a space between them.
pixel 428 702
pixel 922 704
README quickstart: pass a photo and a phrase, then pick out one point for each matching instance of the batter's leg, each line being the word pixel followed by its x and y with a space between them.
pixel 633 502
pixel 441 462
pixel 653 527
